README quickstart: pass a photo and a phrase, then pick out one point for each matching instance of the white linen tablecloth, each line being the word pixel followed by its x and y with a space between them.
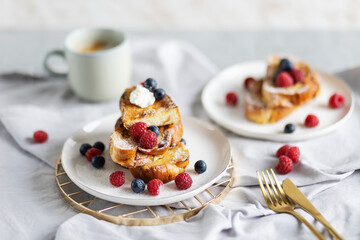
pixel 32 208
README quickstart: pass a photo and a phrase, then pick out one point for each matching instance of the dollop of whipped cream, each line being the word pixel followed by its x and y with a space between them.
pixel 142 97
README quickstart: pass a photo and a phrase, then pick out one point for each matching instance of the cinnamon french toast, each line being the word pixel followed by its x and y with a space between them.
pixel 162 112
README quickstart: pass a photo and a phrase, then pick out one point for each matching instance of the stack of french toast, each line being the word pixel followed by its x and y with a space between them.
pixel 168 157
pixel 275 97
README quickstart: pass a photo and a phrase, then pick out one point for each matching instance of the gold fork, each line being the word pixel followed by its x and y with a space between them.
pixel 278 202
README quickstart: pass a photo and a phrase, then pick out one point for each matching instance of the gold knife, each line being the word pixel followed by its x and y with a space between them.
pixel 300 199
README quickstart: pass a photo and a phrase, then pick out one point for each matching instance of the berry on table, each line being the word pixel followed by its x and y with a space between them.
pixel 284 79
pixel 99 145
pixel 311 121
pixel 40 136
pixel 159 94
pixel 283 150
pixel 98 161
pixel 154 129
pixel 150 84
pixel 183 181
pixel 231 99
pixel 84 147
pixel 138 129
pixel 200 166
pixel 247 82
pixel 286 64
pixel 284 166
pixel 289 128
pixel 137 185
pixel 337 100
pixel 117 178
pixel 294 154
pixel 297 75
pixel 91 153
pixel 154 186
pixel 148 140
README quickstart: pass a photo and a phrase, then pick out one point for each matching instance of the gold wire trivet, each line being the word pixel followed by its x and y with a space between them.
pixel 137 215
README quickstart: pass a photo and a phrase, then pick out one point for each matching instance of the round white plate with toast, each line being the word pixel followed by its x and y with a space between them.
pixel 234 119
pixel 204 141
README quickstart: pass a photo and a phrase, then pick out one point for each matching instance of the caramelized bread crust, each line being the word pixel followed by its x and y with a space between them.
pixel 164 167
pixel 161 113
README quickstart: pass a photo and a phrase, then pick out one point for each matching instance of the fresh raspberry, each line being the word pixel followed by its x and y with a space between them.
pixel 137 130
pixel 247 82
pixel 143 83
pixel 154 186
pixel 231 99
pixel 311 121
pixel 40 136
pixel 284 79
pixel 294 154
pixel 183 181
pixel 117 178
pixel 91 153
pixel 285 165
pixel 148 140
pixel 297 74
pixel 283 150
pixel 337 100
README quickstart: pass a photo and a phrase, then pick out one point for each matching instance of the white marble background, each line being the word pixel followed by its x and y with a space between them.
pixel 181 14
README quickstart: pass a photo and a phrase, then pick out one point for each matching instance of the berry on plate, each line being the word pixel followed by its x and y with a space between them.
pixel 99 145
pixel 247 82
pixel 40 136
pixel 284 166
pixel 311 121
pixel 200 166
pixel 98 161
pixel 297 74
pixel 155 129
pixel 289 128
pixel 138 129
pixel 150 84
pixel 84 147
pixel 294 154
pixel 154 186
pixel 137 185
pixel 286 65
pixel 159 94
pixel 337 100
pixel 117 178
pixel 231 99
pixel 183 181
pixel 148 140
pixel 284 79
pixel 91 153
pixel 183 141
pixel 283 150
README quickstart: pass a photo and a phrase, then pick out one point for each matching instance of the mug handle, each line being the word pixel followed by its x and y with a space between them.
pixel 47 67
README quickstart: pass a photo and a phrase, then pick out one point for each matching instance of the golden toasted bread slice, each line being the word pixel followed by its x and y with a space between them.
pixel 164 167
pixel 123 147
pixel 292 96
pixel 161 113
pixel 257 110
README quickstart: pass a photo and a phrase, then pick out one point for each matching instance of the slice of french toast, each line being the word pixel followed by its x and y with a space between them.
pixel 164 167
pixel 257 110
pixel 123 148
pixel 161 113
pixel 292 96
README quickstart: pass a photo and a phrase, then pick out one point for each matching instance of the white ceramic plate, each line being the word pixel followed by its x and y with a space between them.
pixel 204 141
pixel 234 119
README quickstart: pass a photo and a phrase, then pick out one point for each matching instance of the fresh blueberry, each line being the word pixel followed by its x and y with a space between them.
pixel 155 129
pixel 289 128
pixel 99 145
pixel 150 84
pixel 98 161
pixel 159 94
pixel 137 185
pixel 183 141
pixel 286 65
pixel 84 147
pixel 200 166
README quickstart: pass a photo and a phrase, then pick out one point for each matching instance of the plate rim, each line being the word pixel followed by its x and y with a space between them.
pixel 155 201
pixel 276 137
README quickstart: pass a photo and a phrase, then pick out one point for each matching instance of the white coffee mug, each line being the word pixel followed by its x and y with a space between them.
pixel 99 63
